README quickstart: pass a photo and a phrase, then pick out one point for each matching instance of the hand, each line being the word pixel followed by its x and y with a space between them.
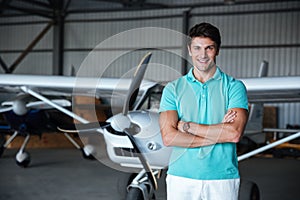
pixel 180 126
pixel 229 117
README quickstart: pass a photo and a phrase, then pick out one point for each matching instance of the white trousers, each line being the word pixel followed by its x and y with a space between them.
pixel 179 188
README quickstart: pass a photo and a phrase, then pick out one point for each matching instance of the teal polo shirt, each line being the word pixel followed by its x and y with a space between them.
pixel 204 103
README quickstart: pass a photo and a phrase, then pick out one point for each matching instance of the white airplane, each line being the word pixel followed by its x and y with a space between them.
pixel 132 137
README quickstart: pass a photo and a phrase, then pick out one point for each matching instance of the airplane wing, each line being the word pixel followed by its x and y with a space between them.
pixel 45 87
pixel 273 89
pixel 264 89
pixel 268 90
pixel 66 86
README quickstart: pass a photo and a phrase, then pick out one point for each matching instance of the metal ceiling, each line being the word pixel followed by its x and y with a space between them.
pixel 52 8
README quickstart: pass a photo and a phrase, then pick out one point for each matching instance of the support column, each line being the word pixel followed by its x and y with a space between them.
pixel 58 41
pixel 185 29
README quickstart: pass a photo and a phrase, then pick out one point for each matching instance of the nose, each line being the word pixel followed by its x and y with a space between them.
pixel 202 53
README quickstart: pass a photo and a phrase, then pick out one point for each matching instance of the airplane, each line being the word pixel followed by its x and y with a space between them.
pixel 132 137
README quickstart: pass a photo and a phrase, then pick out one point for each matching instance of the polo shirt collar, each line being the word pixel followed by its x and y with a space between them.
pixel 216 76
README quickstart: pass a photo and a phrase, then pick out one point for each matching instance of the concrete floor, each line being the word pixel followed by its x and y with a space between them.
pixel 63 174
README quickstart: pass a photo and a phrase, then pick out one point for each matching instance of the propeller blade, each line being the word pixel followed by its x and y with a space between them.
pixel 80 128
pixel 7 103
pixel 19 97
pixel 5 109
pixel 43 105
pixel 136 82
pixel 142 158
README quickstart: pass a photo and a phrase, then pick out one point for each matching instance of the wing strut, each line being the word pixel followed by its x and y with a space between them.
pixel 54 105
pixel 269 146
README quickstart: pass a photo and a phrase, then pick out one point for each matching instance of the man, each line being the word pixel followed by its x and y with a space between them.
pixel 203 115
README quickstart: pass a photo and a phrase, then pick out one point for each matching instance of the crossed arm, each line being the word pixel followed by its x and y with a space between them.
pixel 230 130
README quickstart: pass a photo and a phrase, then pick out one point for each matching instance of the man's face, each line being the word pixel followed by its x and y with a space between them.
pixel 203 52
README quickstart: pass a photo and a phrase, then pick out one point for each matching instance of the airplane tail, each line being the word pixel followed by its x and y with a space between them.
pixel 263 70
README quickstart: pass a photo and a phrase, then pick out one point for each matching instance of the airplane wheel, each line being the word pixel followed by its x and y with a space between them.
pixel 122 184
pixel 87 152
pixel 23 159
pixel 134 194
pixel 248 191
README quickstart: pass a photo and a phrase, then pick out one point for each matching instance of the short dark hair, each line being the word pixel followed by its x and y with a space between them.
pixel 205 30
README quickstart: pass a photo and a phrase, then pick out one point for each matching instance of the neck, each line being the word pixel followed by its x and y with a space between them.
pixel 203 76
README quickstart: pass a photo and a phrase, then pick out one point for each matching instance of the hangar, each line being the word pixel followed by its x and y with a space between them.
pixel 61 37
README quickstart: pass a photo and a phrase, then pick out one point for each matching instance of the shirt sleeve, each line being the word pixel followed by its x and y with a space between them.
pixel 238 95
pixel 168 100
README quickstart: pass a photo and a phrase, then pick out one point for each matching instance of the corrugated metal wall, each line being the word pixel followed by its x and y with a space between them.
pixel 250 34
pixel 85 35
pixel 256 33
pixel 253 34
pixel 16 34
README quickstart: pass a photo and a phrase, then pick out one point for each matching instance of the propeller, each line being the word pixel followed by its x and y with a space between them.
pixel 122 122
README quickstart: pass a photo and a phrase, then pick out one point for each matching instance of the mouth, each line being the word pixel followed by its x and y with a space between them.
pixel 203 61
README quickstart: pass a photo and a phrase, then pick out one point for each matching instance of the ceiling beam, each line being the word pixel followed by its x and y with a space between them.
pixel 149 6
pixel 36 3
pixel 42 13
pixel 30 47
pixel 3 5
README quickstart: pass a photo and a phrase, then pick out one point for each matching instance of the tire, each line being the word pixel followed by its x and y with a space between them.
pixel 122 183
pixel 134 194
pixel 25 160
pixel 248 191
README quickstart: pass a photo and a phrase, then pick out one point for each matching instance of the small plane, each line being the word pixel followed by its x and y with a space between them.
pixel 132 137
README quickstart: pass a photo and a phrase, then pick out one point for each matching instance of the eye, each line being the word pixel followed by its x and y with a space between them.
pixel 210 48
pixel 196 48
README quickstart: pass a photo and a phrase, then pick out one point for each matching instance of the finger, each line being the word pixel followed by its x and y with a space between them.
pixel 230 116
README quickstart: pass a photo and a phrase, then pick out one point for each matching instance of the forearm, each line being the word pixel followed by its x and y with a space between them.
pixel 202 135
pixel 216 133
pixel 183 139
pixel 172 136
pixel 230 130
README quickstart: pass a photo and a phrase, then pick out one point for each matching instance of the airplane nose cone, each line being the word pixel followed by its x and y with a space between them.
pixel 19 107
pixel 120 122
